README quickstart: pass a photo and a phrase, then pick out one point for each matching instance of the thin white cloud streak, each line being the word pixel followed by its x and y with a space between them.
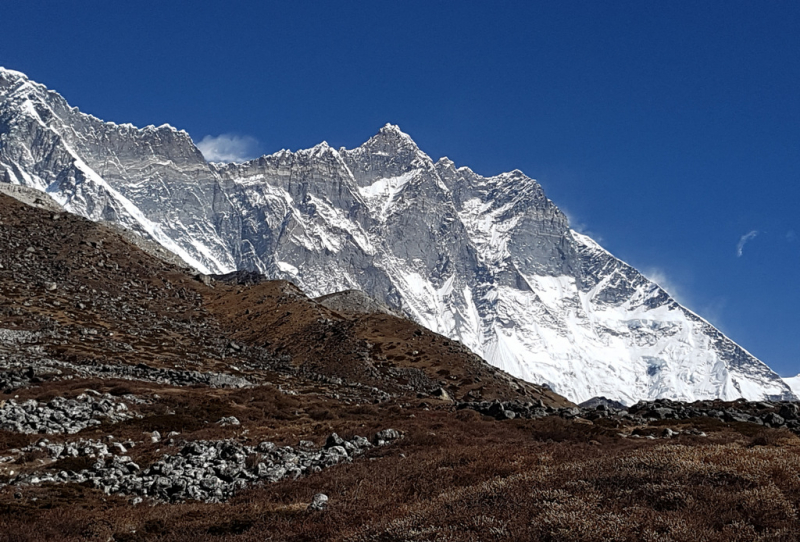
pixel 742 240
pixel 228 148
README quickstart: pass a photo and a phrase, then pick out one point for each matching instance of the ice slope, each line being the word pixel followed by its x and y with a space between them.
pixel 488 261
pixel 794 383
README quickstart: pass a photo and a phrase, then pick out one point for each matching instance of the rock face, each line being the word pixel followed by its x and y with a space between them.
pixel 490 262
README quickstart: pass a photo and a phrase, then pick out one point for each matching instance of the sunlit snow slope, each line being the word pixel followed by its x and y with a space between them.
pixel 488 261
pixel 793 383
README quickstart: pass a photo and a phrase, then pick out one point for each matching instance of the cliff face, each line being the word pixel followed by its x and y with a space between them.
pixel 490 262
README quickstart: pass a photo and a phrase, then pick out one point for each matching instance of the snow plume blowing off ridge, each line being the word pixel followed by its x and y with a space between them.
pixel 228 148
pixel 487 261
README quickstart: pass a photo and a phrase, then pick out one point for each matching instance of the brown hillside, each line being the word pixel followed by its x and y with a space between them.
pixel 374 349
pixel 102 300
pixel 161 361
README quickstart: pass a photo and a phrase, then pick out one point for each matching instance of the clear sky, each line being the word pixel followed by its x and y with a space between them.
pixel 669 131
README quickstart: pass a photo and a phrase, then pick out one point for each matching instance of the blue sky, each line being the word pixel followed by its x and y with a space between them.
pixel 670 131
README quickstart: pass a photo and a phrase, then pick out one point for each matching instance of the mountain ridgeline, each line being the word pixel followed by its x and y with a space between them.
pixel 488 261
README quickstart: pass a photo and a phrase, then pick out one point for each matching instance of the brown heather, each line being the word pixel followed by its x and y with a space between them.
pixel 479 480
pixel 456 475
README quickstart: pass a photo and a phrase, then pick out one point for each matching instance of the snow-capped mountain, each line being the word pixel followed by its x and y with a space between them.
pixel 489 261
pixel 794 384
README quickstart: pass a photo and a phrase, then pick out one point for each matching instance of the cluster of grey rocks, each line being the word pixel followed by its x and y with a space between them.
pixel 779 414
pixel 61 415
pixel 173 377
pixel 210 471
pixel 768 414
pixel 16 378
pixel 508 410
pixel 82 448
pixel 14 375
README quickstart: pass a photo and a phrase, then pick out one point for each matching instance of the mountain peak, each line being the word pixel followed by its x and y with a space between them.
pixel 393 135
pixel 12 73
pixel 490 262
pixel 318 150
pixel 392 128
pixel 12 80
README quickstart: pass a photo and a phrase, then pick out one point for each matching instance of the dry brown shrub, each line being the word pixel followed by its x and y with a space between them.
pixel 321 414
pixel 120 390
pixel 771 437
pixel 31 456
pixel 468 415
pixel 463 477
pixel 362 410
pixel 10 440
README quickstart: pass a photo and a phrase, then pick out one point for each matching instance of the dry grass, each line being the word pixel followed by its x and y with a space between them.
pixel 457 477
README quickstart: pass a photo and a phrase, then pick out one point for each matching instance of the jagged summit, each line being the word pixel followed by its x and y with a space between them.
pixel 389 140
pixel 393 131
pixel 488 261
pixel 9 74
pixel 44 102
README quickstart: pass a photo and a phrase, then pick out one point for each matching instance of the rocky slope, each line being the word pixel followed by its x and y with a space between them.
pixel 489 262
pixel 77 299
pixel 137 397
pixel 82 310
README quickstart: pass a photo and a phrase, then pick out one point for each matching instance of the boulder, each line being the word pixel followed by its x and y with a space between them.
pixel 334 440
pixel 790 411
pixel 318 502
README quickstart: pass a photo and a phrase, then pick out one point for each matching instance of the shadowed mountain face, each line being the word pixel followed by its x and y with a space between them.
pixel 489 262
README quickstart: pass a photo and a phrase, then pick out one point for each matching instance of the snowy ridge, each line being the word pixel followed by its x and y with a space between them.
pixel 490 262
pixel 794 383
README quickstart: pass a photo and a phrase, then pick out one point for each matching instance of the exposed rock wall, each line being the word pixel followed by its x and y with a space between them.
pixel 490 262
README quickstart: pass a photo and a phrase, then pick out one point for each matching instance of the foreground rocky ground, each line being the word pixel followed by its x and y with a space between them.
pixel 143 402
pixel 454 475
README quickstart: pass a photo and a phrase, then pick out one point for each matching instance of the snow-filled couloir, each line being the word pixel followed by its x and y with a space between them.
pixel 489 261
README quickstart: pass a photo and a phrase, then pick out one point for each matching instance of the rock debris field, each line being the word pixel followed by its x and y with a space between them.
pixel 61 415
pixel 209 471
pixel 779 414
pixel 139 396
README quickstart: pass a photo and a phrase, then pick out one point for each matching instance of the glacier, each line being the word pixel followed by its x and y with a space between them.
pixel 488 261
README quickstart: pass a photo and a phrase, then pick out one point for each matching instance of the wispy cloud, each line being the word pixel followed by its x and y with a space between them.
pixel 228 148
pixel 742 240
